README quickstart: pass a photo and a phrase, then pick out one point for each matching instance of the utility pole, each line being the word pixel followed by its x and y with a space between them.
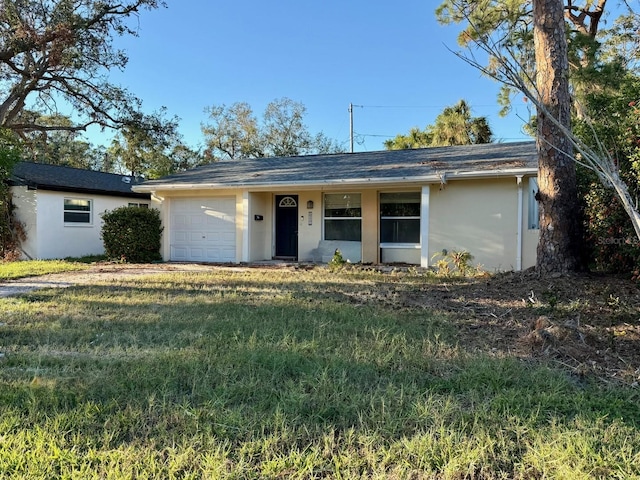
pixel 351 127
pixel 351 105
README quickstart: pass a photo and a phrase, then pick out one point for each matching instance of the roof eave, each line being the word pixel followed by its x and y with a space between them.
pixel 82 190
pixel 432 178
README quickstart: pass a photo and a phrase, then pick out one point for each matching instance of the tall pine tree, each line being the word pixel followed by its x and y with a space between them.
pixel 560 241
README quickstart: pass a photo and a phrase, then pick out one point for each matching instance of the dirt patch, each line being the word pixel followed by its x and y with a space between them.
pixel 588 323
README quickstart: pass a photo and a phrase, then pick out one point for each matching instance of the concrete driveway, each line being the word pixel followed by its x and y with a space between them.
pixel 99 272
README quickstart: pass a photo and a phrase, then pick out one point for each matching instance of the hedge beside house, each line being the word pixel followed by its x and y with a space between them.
pixel 132 234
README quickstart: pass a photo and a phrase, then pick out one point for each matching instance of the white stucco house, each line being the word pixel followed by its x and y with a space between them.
pixel 376 207
pixel 60 207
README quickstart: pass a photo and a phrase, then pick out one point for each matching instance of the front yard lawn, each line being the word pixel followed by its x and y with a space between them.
pixel 282 373
pixel 32 268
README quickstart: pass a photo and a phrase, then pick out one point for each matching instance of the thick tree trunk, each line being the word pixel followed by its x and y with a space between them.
pixel 560 221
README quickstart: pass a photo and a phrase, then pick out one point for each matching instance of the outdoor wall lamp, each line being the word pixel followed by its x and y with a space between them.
pixel 310 205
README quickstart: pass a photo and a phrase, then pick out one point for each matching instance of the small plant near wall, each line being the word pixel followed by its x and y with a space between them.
pixel 12 232
pixel 132 234
pixel 454 262
pixel 337 262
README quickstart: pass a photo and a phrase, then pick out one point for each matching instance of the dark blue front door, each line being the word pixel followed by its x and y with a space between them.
pixel 287 226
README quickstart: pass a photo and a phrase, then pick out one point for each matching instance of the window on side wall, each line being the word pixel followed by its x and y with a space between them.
pixel 143 205
pixel 534 219
pixel 77 211
pixel 400 217
pixel 343 217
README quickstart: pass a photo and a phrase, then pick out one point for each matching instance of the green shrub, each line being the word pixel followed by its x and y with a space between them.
pixel 132 234
pixel 611 242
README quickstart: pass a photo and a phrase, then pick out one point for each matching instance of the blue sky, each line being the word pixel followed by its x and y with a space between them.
pixel 390 58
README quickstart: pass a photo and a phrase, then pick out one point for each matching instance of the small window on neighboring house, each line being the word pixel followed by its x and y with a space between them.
pixel 534 220
pixel 400 217
pixel 342 217
pixel 77 211
pixel 143 205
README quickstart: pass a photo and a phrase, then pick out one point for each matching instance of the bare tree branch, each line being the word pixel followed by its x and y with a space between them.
pixel 578 17
pixel 65 49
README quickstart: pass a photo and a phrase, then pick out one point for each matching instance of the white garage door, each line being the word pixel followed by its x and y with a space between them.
pixel 203 229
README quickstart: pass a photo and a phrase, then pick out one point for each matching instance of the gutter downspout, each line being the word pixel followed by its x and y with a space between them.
pixel 520 218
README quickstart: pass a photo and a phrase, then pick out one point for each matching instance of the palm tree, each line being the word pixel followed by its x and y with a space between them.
pixel 454 126
pixel 415 139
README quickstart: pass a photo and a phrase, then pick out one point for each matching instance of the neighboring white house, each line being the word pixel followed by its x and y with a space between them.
pixel 376 207
pixel 60 207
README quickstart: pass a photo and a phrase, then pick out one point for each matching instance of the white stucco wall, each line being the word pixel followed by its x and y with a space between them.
pixel 42 213
pixel 260 231
pixel 479 215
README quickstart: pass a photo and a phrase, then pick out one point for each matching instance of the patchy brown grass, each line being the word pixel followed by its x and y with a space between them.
pixel 589 323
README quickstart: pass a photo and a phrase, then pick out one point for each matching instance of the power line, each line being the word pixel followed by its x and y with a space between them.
pixel 372 135
pixel 419 106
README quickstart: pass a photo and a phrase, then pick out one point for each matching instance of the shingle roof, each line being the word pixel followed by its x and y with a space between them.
pixel 67 179
pixel 357 168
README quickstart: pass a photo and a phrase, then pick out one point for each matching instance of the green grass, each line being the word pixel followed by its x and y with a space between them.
pixel 31 268
pixel 278 374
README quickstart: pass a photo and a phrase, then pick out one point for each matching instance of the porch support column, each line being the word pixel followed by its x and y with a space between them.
pixel 424 227
pixel 245 227
pixel 520 218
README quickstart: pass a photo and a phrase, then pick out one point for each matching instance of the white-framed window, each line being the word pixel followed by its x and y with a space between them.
pixel 77 211
pixel 343 216
pixel 400 218
pixel 143 205
pixel 533 222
